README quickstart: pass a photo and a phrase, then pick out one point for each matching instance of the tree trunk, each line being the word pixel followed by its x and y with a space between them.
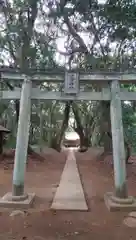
pixel 108 142
pixel 84 141
pixel 1 143
pixel 105 127
pixel 128 151
pixel 108 138
pixel 17 107
pixel 56 142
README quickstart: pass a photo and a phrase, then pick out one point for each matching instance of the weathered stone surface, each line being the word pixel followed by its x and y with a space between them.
pixel 130 222
pixel 70 194
pixel 119 205
pixel 7 202
pixel 17 213
pixel 132 214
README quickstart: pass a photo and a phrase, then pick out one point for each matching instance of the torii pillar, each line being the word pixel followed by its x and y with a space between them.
pixel 18 197
pixel 119 200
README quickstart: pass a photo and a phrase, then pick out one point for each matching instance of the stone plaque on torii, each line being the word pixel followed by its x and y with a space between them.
pixel 71 83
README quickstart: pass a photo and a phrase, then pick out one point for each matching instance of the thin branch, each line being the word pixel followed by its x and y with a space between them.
pixel 75 50
pixel 6 11
pixel 76 36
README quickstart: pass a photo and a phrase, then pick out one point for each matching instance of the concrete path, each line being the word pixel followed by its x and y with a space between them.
pixel 70 195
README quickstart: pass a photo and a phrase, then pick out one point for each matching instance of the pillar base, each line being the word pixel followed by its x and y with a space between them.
pixel 119 204
pixel 10 201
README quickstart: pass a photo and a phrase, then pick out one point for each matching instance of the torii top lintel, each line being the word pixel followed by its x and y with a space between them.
pixel 57 75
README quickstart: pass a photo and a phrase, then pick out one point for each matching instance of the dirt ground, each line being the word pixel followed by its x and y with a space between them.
pixel 42 223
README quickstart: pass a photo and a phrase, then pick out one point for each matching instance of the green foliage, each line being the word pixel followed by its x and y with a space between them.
pixel 28 33
pixel 129 122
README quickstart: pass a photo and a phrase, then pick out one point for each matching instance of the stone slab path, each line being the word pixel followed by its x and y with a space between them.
pixel 70 194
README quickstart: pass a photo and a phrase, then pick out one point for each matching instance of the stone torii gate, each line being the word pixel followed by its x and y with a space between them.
pixel 110 91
